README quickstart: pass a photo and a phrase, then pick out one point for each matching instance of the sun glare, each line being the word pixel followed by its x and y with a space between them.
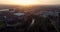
pixel 24 2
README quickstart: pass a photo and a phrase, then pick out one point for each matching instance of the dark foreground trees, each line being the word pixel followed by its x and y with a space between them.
pixel 40 24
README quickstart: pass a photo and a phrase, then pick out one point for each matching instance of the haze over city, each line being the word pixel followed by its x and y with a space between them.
pixel 29 15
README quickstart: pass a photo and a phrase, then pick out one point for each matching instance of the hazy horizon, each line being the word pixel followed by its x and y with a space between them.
pixel 40 2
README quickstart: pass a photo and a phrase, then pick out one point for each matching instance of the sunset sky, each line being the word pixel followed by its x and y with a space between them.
pixel 38 2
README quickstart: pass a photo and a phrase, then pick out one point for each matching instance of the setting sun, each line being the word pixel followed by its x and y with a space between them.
pixel 24 2
pixel 30 2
